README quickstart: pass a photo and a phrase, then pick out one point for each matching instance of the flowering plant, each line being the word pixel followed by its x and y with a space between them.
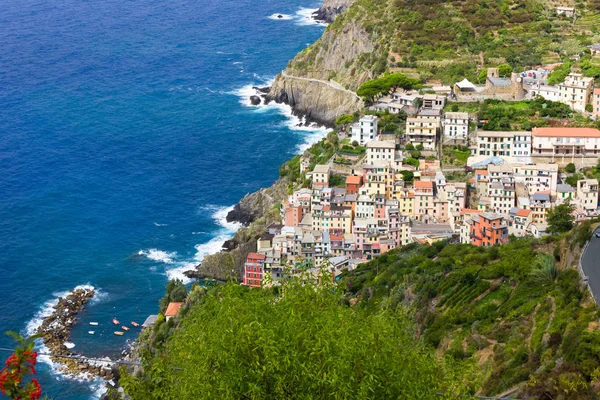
pixel 20 365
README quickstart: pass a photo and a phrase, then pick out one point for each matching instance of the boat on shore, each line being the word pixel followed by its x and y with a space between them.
pixel 116 321
pixel 118 333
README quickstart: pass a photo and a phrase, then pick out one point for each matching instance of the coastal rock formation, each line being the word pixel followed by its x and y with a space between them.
pixel 255 205
pixel 331 9
pixel 256 211
pixel 56 331
pixel 319 82
pixel 315 101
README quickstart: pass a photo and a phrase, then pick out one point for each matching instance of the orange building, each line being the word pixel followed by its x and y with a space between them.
pixel 293 214
pixel 253 269
pixel 488 229
pixel 353 183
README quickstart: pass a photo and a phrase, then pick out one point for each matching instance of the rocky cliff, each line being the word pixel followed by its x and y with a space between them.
pixel 331 9
pixel 319 82
pixel 255 205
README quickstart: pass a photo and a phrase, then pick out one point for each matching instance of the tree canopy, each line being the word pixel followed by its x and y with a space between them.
pixel 305 344
pixel 560 218
pixel 370 89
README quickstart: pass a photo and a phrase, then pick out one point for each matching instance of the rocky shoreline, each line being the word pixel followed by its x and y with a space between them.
pixel 56 331
pixel 264 96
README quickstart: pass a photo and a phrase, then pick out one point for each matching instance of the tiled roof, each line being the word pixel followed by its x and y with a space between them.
pixel 566 132
pixel 173 309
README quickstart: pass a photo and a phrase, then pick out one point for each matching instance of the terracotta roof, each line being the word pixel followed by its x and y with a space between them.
pixel 423 185
pixel 566 132
pixel 481 171
pixel 334 236
pixel 173 309
pixel 326 208
pixel 523 213
pixel 597 91
pixel 258 256
pixel 353 179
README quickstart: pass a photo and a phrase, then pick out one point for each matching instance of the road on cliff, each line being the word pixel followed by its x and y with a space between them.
pixel 590 263
pixel 332 84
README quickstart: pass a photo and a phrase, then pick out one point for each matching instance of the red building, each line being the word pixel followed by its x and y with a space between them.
pixel 353 183
pixel 488 229
pixel 253 269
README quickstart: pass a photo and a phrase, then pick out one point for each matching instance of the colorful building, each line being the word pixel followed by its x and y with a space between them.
pixel 254 269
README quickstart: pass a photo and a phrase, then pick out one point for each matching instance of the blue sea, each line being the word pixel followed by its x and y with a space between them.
pixel 125 137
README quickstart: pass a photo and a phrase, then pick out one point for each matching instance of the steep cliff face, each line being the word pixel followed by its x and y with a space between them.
pixel 315 100
pixel 319 82
pixel 331 9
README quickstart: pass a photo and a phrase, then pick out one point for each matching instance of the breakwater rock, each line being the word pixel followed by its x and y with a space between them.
pixel 56 332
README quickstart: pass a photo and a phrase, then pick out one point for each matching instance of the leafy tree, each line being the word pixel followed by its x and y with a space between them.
pixel 419 147
pixel 482 76
pixel 409 146
pixel 407 176
pixel 560 218
pixel 370 89
pixel 344 119
pixel 505 70
pixel 559 74
pixel 354 143
pixel 570 168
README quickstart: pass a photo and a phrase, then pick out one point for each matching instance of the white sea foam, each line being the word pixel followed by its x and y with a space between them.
pixel 304 16
pixel 157 224
pixel 175 265
pixel 158 255
pixel 310 132
pixel 56 368
pixel 280 17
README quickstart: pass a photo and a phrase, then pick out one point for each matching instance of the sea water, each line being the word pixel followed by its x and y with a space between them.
pixel 125 137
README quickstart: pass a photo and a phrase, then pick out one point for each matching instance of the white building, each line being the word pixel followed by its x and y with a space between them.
pixel 380 150
pixel 503 144
pixel 548 92
pixel 537 177
pixel 423 129
pixel 365 129
pixel 575 91
pixel 587 195
pixel 566 144
pixel 456 127
pixel 566 11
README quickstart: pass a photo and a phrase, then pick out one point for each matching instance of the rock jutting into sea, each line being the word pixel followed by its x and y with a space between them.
pixel 331 9
pixel 56 331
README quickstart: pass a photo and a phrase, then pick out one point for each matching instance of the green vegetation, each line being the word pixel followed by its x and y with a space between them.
pixel 455 155
pixel 337 181
pixel 176 292
pixel 370 89
pixel 570 168
pixel 449 40
pixel 511 309
pixel 560 218
pixel 299 342
pixel 496 115
pixel 559 73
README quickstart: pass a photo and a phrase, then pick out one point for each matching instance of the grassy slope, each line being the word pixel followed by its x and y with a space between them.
pixel 497 307
pixel 449 40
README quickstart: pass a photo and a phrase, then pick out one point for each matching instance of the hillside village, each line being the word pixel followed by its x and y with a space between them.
pixel 385 189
